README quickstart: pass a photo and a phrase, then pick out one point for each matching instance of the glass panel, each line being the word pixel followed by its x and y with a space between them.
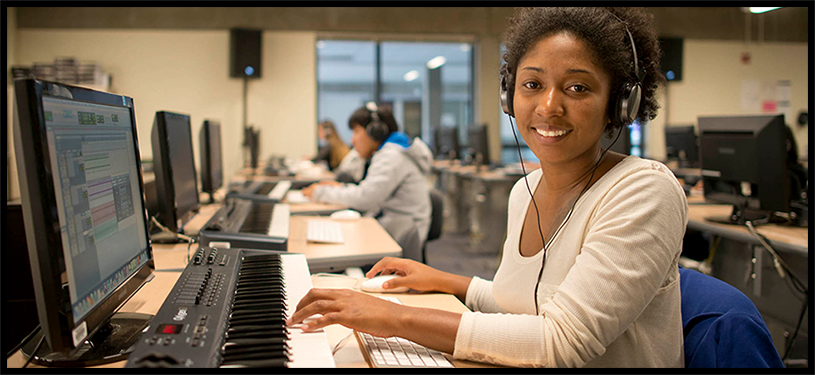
pixel 404 69
pixel 346 75
pixel 345 80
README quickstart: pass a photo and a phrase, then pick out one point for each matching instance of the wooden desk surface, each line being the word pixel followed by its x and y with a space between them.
pixel 366 242
pixel 171 259
pixel 783 237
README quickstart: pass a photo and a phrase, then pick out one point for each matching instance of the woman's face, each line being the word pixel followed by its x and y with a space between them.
pixel 320 132
pixel 561 99
pixel 362 142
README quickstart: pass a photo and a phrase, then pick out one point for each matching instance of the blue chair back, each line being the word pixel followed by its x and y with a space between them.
pixel 722 327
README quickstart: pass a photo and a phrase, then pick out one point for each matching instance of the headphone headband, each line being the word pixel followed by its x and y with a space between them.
pixel 625 109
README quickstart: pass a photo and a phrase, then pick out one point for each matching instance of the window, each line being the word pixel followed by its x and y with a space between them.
pixel 351 73
pixel 346 77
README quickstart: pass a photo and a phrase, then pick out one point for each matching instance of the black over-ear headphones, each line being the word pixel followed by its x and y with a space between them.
pixel 628 102
pixel 376 128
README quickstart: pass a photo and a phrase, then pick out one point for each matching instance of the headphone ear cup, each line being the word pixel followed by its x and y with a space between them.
pixel 377 129
pixel 628 105
pixel 506 98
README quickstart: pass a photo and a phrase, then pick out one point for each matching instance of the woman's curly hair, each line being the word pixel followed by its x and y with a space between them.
pixel 605 35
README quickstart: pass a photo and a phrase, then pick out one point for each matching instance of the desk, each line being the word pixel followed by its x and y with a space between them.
pixel 733 263
pixel 784 238
pixel 170 259
pixel 366 242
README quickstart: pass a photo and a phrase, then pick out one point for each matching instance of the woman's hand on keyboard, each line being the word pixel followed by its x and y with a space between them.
pixel 419 276
pixel 355 310
pixel 432 328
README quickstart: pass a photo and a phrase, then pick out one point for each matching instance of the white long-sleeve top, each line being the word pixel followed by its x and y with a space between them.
pixel 609 294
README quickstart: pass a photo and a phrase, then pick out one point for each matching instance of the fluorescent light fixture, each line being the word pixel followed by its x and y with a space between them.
pixel 757 10
pixel 411 75
pixel 436 62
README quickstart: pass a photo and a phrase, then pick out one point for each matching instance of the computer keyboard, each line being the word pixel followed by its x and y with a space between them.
pixel 324 231
pixel 396 352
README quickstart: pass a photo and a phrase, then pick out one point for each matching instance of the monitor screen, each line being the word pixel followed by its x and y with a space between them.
pixel 744 163
pixel 479 143
pixel 681 144
pixel 96 184
pixel 210 148
pixel 174 165
pixel 447 143
pixel 83 207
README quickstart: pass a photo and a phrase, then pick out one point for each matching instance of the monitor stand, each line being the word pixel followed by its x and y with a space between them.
pixel 165 237
pixel 112 342
pixel 740 215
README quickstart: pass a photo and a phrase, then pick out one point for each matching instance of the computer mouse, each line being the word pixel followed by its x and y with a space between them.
pixel 374 285
pixel 345 215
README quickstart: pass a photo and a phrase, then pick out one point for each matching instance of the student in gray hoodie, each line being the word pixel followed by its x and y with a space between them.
pixel 394 189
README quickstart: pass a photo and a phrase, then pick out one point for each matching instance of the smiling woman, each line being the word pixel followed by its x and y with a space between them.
pixel 589 274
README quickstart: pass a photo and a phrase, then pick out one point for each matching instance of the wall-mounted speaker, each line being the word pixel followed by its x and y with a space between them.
pixel 245 47
pixel 672 49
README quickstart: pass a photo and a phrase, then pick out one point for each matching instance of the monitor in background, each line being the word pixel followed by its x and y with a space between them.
pixel 211 158
pixel 251 140
pixel 174 166
pixel 479 145
pixel 84 219
pixel 744 163
pixel 681 144
pixel 447 145
pixel 623 144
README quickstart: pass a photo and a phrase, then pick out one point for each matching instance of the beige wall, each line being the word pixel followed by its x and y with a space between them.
pixel 187 72
pixel 712 84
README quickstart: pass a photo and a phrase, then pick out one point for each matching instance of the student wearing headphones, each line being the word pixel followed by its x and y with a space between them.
pixel 332 149
pixel 394 188
pixel 589 274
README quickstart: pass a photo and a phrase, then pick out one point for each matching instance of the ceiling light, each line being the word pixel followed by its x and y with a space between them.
pixel 320 44
pixel 757 10
pixel 411 75
pixel 436 62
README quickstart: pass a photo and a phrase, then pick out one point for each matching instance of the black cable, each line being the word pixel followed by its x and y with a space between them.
pixel 546 245
pixel 34 353
pixel 25 340
pixel 797 285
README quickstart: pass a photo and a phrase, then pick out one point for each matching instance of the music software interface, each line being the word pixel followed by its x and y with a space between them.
pixel 96 181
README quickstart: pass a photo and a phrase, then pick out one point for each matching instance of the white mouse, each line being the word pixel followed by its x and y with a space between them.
pixel 345 215
pixel 374 285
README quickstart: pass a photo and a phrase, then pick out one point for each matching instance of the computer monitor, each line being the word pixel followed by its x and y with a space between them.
pixel 744 163
pixel 84 218
pixel 623 143
pixel 681 144
pixel 479 144
pixel 174 167
pixel 447 145
pixel 211 158
pixel 254 147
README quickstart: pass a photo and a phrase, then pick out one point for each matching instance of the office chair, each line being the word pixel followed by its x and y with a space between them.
pixel 722 327
pixel 436 220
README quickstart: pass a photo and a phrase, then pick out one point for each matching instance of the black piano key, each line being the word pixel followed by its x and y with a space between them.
pixel 253 342
pixel 242 316
pixel 259 350
pixel 264 354
pixel 251 328
pixel 256 334
pixel 251 301
pixel 277 362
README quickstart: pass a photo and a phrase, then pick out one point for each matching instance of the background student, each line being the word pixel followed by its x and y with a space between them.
pixel 394 189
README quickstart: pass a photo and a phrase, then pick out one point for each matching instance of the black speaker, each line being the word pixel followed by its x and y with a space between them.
pixel 245 47
pixel 672 58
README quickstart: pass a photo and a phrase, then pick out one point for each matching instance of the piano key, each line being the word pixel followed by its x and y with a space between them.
pixel 277 362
